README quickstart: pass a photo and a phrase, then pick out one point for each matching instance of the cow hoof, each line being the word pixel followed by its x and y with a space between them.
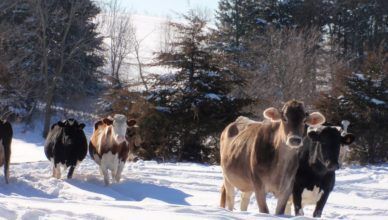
pixel 300 213
pixel 317 214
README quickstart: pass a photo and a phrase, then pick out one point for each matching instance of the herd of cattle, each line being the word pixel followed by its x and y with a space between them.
pixel 292 154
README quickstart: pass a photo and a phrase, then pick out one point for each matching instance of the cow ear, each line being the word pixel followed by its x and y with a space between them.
pixel 273 114
pixel 313 135
pixel 61 124
pixel 131 122
pixel 315 118
pixel 53 125
pixel 107 121
pixel 81 126
pixel 347 139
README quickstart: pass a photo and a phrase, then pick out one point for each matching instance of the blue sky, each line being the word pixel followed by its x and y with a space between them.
pixel 166 7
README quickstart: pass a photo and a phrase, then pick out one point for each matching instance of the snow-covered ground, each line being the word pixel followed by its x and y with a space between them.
pixel 149 190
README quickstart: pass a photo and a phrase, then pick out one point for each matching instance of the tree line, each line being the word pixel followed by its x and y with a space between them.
pixel 257 53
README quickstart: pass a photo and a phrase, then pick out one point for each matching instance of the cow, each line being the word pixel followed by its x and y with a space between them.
pixel 6 134
pixel 66 146
pixel 318 161
pixel 262 157
pixel 111 144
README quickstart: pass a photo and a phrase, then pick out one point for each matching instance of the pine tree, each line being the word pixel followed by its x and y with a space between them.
pixel 52 49
pixel 195 95
pixel 361 97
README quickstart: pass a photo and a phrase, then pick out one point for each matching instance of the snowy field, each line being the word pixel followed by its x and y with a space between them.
pixel 149 190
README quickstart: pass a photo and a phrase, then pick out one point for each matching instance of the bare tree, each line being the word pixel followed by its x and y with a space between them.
pixel 286 66
pixel 140 63
pixel 167 35
pixel 117 25
pixel 6 4
pixel 51 81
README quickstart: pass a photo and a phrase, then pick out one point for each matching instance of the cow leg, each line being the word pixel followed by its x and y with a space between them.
pixel 54 170
pixel 245 198
pixel 7 157
pixel 229 189
pixel 223 196
pixel 57 168
pixel 282 202
pixel 71 171
pixel 113 174
pixel 6 172
pixel 105 173
pixel 260 198
pixel 119 170
pixel 320 204
pixel 297 200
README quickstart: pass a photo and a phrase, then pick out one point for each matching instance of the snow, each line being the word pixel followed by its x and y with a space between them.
pixel 212 96
pixel 377 101
pixel 151 190
pixel 360 76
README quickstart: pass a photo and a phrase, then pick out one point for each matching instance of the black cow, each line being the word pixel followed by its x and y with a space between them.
pixel 5 146
pixel 318 162
pixel 66 145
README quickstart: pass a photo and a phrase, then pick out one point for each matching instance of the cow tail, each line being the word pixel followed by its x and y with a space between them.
pixel 223 196
pixel 70 173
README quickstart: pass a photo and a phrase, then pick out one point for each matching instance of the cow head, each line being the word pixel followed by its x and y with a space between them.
pixel 293 118
pixel 70 125
pixel 327 141
pixel 119 124
pixel 133 135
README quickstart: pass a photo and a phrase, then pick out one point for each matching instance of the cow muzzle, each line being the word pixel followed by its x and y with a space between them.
pixel 294 141
pixel 120 139
pixel 332 166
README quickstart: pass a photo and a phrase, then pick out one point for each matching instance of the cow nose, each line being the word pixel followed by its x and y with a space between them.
pixel 333 166
pixel 120 138
pixel 295 141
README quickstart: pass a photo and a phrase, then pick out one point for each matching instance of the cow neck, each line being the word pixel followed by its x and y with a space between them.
pixel 279 136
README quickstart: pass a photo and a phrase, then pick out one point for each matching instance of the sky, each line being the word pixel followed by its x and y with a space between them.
pixel 163 8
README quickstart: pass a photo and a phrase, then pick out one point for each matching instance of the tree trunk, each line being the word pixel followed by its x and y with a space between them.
pixel 48 111
pixel 140 66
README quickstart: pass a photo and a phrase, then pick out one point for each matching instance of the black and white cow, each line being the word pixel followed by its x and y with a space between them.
pixel 5 146
pixel 318 162
pixel 66 146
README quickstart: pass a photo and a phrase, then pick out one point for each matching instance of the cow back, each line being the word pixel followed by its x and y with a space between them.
pixel 66 147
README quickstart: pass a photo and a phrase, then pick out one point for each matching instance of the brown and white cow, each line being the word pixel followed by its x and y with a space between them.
pixel 110 145
pixel 262 157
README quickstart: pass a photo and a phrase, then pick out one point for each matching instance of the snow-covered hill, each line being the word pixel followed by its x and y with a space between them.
pixel 150 190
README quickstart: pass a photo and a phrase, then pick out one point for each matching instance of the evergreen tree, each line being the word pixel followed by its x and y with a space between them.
pixel 195 95
pixel 236 20
pixel 51 50
pixel 361 97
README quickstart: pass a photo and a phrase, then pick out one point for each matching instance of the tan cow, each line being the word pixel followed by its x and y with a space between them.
pixel 262 157
pixel 110 145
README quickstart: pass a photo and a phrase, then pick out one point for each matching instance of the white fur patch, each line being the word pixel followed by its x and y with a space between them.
pixel 110 161
pixel 119 127
pixel 311 197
